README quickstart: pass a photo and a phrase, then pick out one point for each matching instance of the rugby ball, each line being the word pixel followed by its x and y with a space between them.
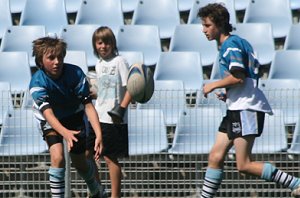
pixel 140 83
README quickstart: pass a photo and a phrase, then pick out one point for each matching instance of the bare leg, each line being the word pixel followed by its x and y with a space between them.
pixel 115 176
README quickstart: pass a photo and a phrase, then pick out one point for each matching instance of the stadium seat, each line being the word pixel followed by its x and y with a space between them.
pixel 189 37
pixel 147 132
pixel 196 130
pixel 193 15
pixel 162 13
pixel 129 5
pixel 50 13
pixel 19 38
pixel 277 13
pixel 184 66
pixel 283 94
pixel 20 134
pixel 132 57
pixel 185 5
pixel 147 41
pixel 273 138
pixel 77 58
pixel 6 103
pixel 285 64
pixel 101 12
pixel 79 38
pixel 169 96
pixel 72 6
pixel 261 39
pixel 292 41
pixel 15 69
pixel 27 101
pixel 5 17
pixel 295 146
pixel 215 70
pixel 294 4
pixel 17 6
pixel 241 5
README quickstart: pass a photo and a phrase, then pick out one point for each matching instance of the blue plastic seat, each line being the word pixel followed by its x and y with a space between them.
pixel 196 130
pixel 133 57
pixel 277 13
pixel 162 13
pixel 19 38
pixel 193 15
pixel 6 103
pixel 169 96
pixel 292 41
pixel 17 6
pixel 5 17
pixel 101 12
pixel 147 133
pixel 285 65
pixel 72 6
pixel 261 39
pixel 77 58
pixel 50 13
pixel 294 4
pixel 185 5
pixel 184 66
pixel 147 41
pixel 189 37
pixel 20 134
pixel 241 4
pixel 15 69
pixel 129 5
pixel 79 38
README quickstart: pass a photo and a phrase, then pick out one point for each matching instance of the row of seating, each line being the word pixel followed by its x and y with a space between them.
pixel 165 15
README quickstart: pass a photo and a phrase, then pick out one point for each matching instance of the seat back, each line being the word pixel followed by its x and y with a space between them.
pixel 132 57
pixel 5 17
pixel 292 40
pixel 6 103
pixel 77 58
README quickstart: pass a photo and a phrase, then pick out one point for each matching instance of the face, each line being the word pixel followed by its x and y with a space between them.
pixel 53 65
pixel 103 49
pixel 209 29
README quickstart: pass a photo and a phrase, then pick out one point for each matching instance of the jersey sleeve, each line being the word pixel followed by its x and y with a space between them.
pixel 82 90
pixel 123 70
pixel 39 94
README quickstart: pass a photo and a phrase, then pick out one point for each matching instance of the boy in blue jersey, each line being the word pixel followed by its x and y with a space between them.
pixel 61 97
pixel 246 105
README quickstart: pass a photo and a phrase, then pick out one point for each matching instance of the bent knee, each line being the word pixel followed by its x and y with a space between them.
pixel 216 159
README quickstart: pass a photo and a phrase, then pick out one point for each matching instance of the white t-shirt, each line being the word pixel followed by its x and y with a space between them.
pixel 112 80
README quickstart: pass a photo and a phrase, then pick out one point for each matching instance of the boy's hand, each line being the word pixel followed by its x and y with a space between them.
pixel 98 148
pixel 69 136
pixel 221 96
pixel 207 88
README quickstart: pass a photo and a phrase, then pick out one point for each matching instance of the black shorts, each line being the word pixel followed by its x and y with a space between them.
pixel 74 122
pixel 242 123
pixel 114 138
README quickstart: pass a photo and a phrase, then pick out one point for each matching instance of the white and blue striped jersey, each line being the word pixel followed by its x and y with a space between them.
pixel 65 95
pixel 237 55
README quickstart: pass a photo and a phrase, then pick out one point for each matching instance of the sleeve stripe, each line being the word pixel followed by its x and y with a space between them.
pixel 230 49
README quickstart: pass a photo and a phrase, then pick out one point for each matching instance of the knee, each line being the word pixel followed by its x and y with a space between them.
pixel 216 159
pixel 243 167
pixel 57 161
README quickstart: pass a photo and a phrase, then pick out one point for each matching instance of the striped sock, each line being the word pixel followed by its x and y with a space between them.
pixel 270 173
pixel 212 181
pixel 57 182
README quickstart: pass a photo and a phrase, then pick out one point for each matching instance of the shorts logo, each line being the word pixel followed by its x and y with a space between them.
pixel 236 127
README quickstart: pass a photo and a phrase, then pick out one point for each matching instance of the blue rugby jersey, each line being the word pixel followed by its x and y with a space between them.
pixel 65 95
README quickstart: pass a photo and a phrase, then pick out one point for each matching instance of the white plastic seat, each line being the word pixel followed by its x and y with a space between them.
pixel 5 17
pixel 193 15
pixel 294 4
pixel 189 37
pixel 162 13
pixel 285 64
pixel 185 5
pixel 278 13
pixel 79 38
pixel 6 103
pixel 20 134
pixel 101 12
pixel 129 5
pixel 132 57
pixel 147 132
pixel 19 38
pixel 184 66
pixel 292 41
pixel 169 96
pixel 261 39
pixel 196 130
pixel 77 58
pixel 241 4
pixel 50 13
pixel 15 69
pixel 147 41
pixel 17 6
pixel 72 6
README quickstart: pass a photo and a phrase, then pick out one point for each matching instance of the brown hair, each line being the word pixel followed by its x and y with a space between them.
pixel 45 45
pixel 107 36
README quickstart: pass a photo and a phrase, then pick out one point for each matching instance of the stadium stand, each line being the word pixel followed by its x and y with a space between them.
pixel 5 17
pixel 132 57
pixel 168 96
pixel 294 4
pixel 188 37
pixel 19 38
pixel 279 15
pixel 72 6
pixel 147 41
pixel 185 5
pixel 72 33
pixel 17 6
pixel 77 58
pixel 292 39
pixel 102 13
pixel 50 13
pixel 128 5
pixel 241 5
pixel 162 13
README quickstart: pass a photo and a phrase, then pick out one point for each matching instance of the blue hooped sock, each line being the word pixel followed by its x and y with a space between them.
pixel 268 171
pixel 57 182
pixel 212 181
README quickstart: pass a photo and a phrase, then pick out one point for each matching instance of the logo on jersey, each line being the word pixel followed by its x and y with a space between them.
pixel 236 127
